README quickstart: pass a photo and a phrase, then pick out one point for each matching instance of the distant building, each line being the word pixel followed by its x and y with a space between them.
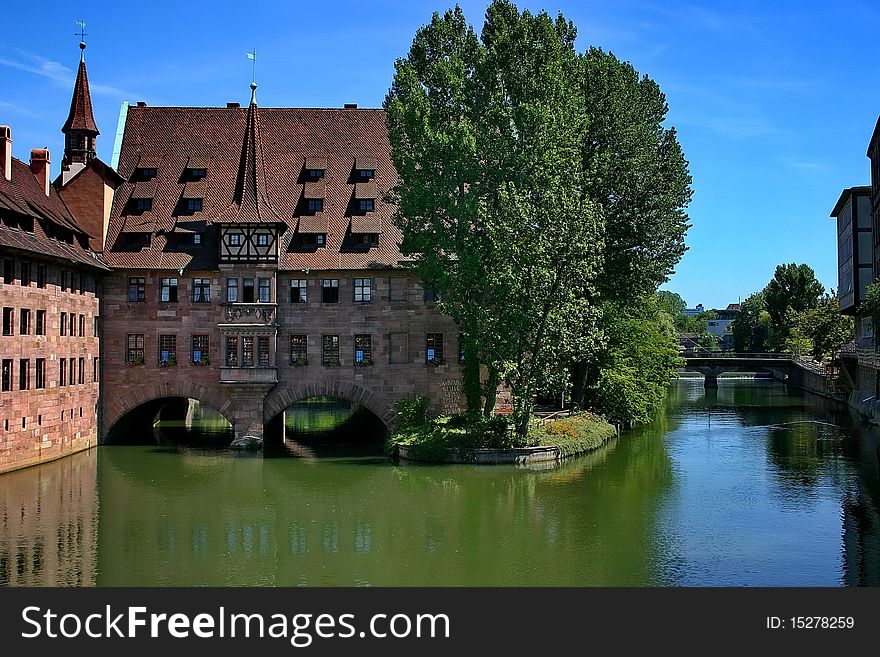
pixel 690 312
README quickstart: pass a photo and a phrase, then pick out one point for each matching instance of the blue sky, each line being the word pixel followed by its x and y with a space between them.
pixel 774 101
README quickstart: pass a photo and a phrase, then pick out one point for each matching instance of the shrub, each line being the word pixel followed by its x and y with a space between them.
pixel 412 411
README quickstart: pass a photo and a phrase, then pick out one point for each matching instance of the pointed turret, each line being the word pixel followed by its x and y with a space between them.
pixel 80 129
pixel 250 203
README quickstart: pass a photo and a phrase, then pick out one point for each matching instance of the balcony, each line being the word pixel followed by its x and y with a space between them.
pixel 261 375
pixel 259 314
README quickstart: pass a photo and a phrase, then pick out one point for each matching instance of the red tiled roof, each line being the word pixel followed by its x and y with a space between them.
pixel 234 141
pixel 80 116
pixel 24 195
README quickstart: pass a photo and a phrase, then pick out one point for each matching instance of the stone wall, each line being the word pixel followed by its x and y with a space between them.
pixel 397 318
pixel 41 424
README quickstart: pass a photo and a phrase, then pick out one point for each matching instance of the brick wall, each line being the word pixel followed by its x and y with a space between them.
pixel 41 424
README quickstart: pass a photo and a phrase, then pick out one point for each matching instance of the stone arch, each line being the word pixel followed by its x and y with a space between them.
pixel 116 407
pixel 281 398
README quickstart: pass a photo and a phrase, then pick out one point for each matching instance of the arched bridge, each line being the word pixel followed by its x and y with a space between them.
pixel 711 364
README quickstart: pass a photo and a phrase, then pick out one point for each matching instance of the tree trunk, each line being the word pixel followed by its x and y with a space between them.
pixel 579 373
pixel 491 392
pixel 471 381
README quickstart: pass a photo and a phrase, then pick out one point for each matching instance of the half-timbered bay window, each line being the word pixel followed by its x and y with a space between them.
pixel 299 352
pixel 201 290
pixel 248 243
pixel 136 289
pixel 200 349
pixel 168 350
pixel 363 290
pixel 330 290
pixel 330 350
pixel 231 290
pixel 168 290
pixel 363 350
pixel 232 351
pixel 264 290
pixel 134 349
pixel 299 290
pixel 434 348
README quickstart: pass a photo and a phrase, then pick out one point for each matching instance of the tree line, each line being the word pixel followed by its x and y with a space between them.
pixel 542 197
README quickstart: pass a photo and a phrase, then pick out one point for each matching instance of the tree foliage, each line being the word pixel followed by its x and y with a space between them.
pixel 751 326
pixel 824 327
pixel 793 289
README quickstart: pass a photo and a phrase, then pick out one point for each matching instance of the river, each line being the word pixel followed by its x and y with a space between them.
pixel 750 484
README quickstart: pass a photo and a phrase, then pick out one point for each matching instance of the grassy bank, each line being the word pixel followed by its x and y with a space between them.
pixel 429 440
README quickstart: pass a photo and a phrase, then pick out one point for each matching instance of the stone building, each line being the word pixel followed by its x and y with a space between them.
pixel 49 293
pixel 255 264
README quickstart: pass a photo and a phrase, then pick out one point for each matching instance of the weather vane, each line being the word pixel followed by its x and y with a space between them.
pixel 82 30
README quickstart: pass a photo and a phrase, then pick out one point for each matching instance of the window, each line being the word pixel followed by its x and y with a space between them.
pixel 231 351
pixel 25 273
pixel 330 291
pixel 197 174
pixel 197 239
pixel 308 240
pixel 460 348
pixel 262 239
pixel 363 290
pixel 143 204
pixel 168 290
pixel 41 276
pixel 366 204
pixel 7 375
pixel 366 174
pixel 299 290
pixel 8 317
pixel 247 351
pixel 95 326
pixel 315 204
pixel 62 372
pixel 263 350
pixel 299 353
pixel 193 205
pixel 72 378
pixel 363 350
pixel 432 296
pixel 200 349
pixel 330 350
pixel 434 348
pixel 201 290
pixel 314 174
pixel 234 239
pixel 24 321
pixel 231 290
pixel 136 289
pixel 72 324
pixel 365 239
pixel 8 270
pixel 82 326
pixel 94 369
pixel 247 290
pixel 264 290
pixel 82 371
pixel 145 173
pixel 40 380
pixel 168 350
pixel 24 374
pixel 62 324
pixel 134 349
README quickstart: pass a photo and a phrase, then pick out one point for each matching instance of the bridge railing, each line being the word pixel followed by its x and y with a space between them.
pixel 688 353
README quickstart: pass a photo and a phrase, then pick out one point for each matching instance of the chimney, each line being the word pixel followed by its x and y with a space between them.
pixel 40 167
pixel 6 151
pixel 233 105
pixel 350 106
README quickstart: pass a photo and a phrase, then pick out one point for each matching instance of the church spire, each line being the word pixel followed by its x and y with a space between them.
pixel 80 129
pixel 250 203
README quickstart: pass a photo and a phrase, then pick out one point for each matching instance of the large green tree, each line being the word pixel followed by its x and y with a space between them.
pixel 486 137
pixel 824 326
pixel 751 326
pixel 637 173
pixel 793 290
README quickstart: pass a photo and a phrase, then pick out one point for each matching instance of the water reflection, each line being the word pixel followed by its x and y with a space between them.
pixel 751 485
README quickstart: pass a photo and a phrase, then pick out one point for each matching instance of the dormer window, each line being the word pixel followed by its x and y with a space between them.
pixel 366 205
pixel 197 174
pixel 143 204
pixel 314 174
pixel 196 169
pixel 366 174
pixel 365 239
pixel 145 173
pixel 315 204
pixel 193 205
pixel 364 169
